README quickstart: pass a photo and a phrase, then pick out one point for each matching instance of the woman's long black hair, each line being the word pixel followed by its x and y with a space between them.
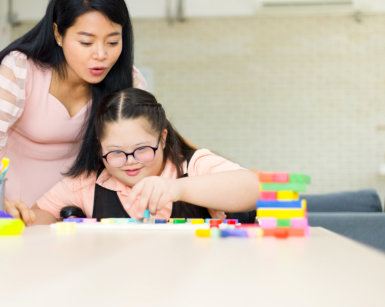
pixel 132 103
pixel 39 44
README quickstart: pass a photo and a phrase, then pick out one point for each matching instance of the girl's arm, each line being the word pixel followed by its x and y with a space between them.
pixel 230 191
pixel 42 217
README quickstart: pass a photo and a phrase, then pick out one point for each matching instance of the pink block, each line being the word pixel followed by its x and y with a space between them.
pixel 281 177
pixel 268 195
pixel 298 222
pixel 90 221
pixel 268 222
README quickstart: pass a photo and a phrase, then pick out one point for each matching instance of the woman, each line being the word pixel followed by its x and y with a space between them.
pixel 51 81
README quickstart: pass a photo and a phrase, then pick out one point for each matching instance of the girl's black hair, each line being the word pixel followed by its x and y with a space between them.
pixel 39 44
pixel 131 103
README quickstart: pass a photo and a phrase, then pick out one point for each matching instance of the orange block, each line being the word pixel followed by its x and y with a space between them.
pixel 266 177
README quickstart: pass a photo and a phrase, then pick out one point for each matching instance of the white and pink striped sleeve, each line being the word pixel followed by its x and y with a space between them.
pixel 13 76
pixel 138 80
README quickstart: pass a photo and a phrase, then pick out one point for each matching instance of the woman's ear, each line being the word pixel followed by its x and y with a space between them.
pixel 58 37
pixel 164 138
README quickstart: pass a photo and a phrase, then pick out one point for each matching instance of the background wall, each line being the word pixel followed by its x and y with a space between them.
pixel 297 94
pixel 277 92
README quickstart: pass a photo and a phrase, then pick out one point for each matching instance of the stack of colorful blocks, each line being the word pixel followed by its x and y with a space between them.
pixel 280 210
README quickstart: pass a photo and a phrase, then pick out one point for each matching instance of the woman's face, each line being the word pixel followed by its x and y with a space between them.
pixel 127 135
pixel 91 47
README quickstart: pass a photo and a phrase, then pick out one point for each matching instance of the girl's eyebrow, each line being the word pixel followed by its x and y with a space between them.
pixel 90 34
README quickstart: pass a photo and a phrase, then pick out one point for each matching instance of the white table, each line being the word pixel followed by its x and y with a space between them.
pixel 170 268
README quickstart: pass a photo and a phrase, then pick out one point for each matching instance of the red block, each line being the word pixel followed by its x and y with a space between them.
pixel 268 195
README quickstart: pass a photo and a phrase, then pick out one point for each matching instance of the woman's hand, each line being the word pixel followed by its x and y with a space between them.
pixel 153 193
pixel 20 210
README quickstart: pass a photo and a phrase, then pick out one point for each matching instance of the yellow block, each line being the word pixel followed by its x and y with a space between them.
pixel 197 221
pixel 107 221
pixel 65 227
pixel 287 195
pixel 203 233
pixel 281 213
pixel 11 227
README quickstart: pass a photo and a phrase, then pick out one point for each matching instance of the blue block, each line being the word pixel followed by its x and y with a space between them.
pixel 279 204
pixel 74 219
pixel 5 215
pixel 160 221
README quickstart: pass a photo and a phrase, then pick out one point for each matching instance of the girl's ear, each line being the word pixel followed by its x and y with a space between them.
pixel 164 138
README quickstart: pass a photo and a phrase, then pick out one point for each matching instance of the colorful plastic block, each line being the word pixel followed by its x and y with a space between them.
pixel 299 178
pixel 11 226
pixel 266 177
pixel 65 227
pixel 287 195
pixel 297 187
pixel 267 222
pixel 299 222
pixel 268 195
pixel 179 221
pixel 280 213
pixel 279 204
pixel 283 223
pixel 203 233
pixel 196 221
pixel 281 177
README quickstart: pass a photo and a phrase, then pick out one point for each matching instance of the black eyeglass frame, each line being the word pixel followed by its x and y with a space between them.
pixel 133 153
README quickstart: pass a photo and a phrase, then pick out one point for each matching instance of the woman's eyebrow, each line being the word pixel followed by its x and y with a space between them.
pixel 90 34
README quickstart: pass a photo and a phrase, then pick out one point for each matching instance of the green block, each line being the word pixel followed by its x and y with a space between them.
pixel 296 187
pixel 283 223
pixel 299 178
pixel 179 221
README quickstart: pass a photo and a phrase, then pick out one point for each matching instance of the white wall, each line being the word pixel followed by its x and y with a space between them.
pixel 27 10
pixel 5 31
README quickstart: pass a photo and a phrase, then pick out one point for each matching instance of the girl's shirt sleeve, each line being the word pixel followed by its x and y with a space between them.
pixel 70 191
pixel 138 79
pixel 13 79
pixel 205 162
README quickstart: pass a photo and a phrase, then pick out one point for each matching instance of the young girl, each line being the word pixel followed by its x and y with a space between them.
pixel 140 162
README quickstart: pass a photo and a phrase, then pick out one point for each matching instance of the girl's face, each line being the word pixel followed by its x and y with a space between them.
pixel 91 47
pixel 127 135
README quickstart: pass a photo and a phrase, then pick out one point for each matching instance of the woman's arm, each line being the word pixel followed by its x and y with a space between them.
pixel 13 77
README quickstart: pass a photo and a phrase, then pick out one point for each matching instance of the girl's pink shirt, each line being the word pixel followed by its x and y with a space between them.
pixel 80 191
pixel 37 133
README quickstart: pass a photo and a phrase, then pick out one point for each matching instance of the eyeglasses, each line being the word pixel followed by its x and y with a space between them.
pixel 143 154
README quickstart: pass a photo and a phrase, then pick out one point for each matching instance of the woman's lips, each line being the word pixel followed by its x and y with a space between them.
pixel 132 172
pixel 97 71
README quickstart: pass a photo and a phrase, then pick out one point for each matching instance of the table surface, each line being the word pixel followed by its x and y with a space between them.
pixel 176 268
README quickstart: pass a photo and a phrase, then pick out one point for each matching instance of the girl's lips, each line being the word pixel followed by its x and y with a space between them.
pixel 97 71
pixel 132 172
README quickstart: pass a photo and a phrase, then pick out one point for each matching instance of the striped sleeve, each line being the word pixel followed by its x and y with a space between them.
pixel 13 76
pixel 138 79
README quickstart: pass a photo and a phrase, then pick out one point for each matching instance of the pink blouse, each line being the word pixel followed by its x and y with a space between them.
pixel 36 132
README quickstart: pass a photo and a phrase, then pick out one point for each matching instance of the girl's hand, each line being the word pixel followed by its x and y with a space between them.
pixel 20 210
pixel 153 193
